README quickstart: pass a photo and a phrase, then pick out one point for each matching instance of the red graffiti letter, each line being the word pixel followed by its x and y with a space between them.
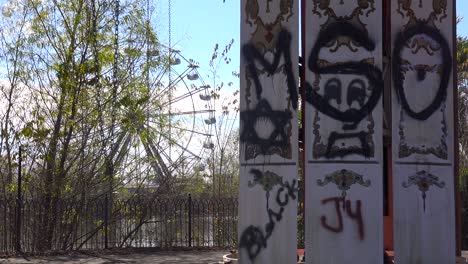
pixel 357 216
pixel 323 219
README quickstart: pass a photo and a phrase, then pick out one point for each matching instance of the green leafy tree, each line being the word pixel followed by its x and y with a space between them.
pixel 75 88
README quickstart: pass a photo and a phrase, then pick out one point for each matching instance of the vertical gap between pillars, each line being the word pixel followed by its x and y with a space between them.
pixel 458 216
pixel 303 109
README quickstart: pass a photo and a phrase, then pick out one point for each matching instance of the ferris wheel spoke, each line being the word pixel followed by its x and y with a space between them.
pixel 180 76
pixel 185 95
pixel 154 164
pixel 123 151
pixel 188 130
pixel 172 163
pixel 172 83
pixel 156 160
pixel 182 147
pixel 157 83
pixel 185 59
pixel 158 78
pixel 116 145
pixel 165 155
pixel 190 112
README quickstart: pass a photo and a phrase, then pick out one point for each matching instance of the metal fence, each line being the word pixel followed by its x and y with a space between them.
pixel 95 224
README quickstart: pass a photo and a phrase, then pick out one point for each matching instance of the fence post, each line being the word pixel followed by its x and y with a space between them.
pixel 18 205
pixel 106 220
pixel 190 220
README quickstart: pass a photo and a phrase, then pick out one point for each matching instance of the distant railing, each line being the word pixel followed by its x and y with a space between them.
pixel 163 223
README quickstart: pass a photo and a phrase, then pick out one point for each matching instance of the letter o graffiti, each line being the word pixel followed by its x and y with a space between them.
pixel 398 75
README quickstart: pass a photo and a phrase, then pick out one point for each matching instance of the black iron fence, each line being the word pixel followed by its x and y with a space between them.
pixel 101 223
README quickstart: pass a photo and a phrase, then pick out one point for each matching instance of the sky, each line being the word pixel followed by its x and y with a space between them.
pixel 197 25
pixel 462 12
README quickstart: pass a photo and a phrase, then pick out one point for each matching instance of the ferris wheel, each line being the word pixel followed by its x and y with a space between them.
pixel 166 127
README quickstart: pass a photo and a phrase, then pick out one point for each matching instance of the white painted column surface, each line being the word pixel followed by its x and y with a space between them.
pixel 344 200
pixel 268 131
pixel 422 133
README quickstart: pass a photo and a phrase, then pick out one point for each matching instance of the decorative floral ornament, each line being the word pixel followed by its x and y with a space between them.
pixel 267 179
pixel 424 181
pixel 344 179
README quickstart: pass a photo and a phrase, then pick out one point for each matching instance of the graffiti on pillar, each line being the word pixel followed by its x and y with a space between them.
pixel 268 121
pixel 424 181
pixel 401 67
pixel 344 179
pixel 341 204
pixel 278 138
pixel 422 75
pixel 267 54
pixel 254 238
pixel 421 37
pixel 362 92
pixel 343 91
pixel 283 48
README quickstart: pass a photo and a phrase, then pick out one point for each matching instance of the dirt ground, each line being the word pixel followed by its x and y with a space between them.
pixel 166 257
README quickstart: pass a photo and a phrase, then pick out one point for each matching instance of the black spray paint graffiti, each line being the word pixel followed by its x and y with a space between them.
pixel 283 48
pixel 279 120
pixel 398 75
pixel 355 92
pixel 280 137
pixel 254 239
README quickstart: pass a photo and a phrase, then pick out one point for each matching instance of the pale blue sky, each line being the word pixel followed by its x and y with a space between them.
pixel 197 25
pixel 462 11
